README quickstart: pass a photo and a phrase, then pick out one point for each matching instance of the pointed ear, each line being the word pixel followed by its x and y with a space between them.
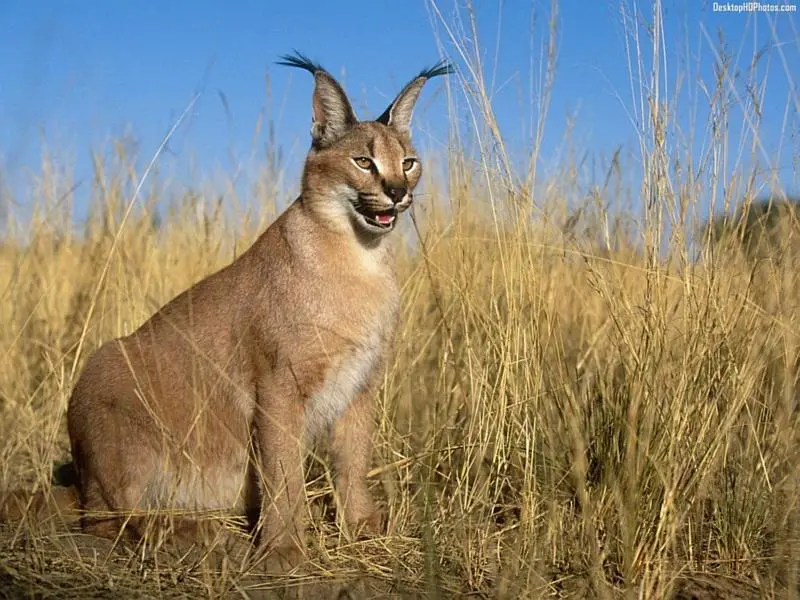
pixel 398 113
pixel 332 115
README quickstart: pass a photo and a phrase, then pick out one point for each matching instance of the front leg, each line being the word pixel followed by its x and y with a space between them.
pixel 279 449
pixel 351 449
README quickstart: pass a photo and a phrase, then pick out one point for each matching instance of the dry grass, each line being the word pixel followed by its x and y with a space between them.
pixel 573 410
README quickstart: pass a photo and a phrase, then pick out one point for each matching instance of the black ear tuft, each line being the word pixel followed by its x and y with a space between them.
pixel 398 113
pixel 331 112
pixel 443 67
pixel 299 61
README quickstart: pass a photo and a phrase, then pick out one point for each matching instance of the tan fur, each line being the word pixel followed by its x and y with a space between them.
pixel 212 402
pixel 60 503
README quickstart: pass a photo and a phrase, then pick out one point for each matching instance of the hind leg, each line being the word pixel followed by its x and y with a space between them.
pixel 108 509
pixel 122 520
pixel 113 486
pixel 125 505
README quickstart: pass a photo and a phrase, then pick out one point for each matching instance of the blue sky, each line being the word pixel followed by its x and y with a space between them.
pixel 80 74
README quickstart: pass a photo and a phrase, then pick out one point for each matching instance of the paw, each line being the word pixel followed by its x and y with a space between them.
pixel 370 526
pixel 280 560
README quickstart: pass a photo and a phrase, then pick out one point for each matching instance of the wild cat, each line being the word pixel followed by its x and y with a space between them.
pixel 211 403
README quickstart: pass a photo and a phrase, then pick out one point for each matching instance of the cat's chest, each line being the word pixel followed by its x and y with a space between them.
pixel 346 377
pixel 351 326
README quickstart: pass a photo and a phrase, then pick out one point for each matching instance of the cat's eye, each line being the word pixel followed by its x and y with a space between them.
pixel 363 162
pixel 408 164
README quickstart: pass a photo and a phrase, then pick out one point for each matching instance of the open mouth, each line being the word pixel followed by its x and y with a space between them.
pixel 382 219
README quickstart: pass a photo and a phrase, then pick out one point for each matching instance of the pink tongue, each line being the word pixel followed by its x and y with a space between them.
pixel 383 219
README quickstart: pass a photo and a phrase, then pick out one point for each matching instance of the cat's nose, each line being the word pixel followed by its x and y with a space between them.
pixel 396 193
